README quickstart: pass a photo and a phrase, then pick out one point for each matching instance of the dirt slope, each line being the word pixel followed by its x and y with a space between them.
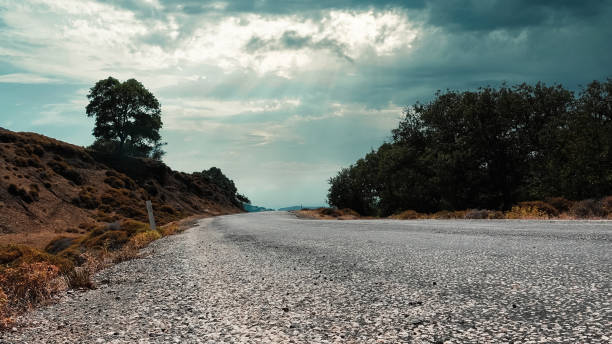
pixel 49 187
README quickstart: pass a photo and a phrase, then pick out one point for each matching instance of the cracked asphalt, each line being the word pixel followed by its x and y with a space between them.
pixel 271 277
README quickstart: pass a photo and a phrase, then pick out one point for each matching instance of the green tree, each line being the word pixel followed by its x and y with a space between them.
pixel 488 148
pixel 127 118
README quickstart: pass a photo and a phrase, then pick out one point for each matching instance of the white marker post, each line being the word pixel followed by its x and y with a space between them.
pixel 151 218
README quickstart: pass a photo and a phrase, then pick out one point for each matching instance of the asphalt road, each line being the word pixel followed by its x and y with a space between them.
pixel 270 277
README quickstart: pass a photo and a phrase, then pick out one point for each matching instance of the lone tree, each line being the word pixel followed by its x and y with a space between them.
pixel 128 118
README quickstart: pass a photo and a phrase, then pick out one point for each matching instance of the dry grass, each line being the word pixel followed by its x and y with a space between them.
pixel 329 214
pixel 554 208
pixel 25 286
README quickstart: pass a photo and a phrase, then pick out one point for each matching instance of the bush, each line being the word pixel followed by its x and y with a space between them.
pixel 86 199
pixel 349 212
pixel 61 168
pixel 14 255
pixel 561 204
pixel 170 229
pixel 167 209
pixel 27 196
pixel 588 208
pixel 133 226
pixel 4 312
pixel 477 214
pixel 58 244
pixel 143 239
pixel 540 206
pixel 525 212
pixel 114 182
pixel 329 212
pixel 407 215
pixel 29 283
pixel 606 205
pixel 109 240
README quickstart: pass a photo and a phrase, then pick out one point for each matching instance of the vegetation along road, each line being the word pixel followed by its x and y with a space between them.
pixel 271 277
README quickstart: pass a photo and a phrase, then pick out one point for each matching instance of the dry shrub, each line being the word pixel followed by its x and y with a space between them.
pixel 588 208
pixel 133 226
pixel 30 283
pixel 477 214
pixel 4 311
pixel 329 212
pixel 442 215
pixel 15 255
pixel 110 240
pixel 170 229
pixel 60 167
pixel 544 207
pixel 123 202
pixel 82 276
pixel 562 205
pixel 525 212
pixel 114 182
pixel 349 212
pixel 86 199
pixel 606 205
pixel 143 239
pixel 27 196
pixel 407 215
pixel 58 244
pixel 105 217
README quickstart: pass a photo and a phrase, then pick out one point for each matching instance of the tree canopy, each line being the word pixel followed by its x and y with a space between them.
pixel 127 118
pixel 488 148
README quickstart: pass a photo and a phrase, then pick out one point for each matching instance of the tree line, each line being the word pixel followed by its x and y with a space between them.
pixel 488 148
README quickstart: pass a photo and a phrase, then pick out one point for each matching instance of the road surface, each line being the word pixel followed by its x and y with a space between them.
pixel 271 277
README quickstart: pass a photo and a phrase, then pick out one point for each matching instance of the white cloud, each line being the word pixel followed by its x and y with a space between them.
pixel 84 40
pixel 24 78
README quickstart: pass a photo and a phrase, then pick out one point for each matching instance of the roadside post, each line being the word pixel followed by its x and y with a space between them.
pixel 151 218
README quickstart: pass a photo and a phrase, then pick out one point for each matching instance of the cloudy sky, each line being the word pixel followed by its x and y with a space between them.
pixel 280 94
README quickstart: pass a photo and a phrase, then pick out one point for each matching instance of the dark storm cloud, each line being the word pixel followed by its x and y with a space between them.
pixel 291 40
pixel 453 14
pixel 503 14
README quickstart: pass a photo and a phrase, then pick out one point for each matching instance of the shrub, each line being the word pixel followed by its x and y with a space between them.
pixel 349 212
pixel 407 215
pixel 58 244
pixel 34 162
pixel 142 239
pixel 167 209
pixel 86 200
pixel 588 208
pixel 38 150
pixel 4 312
pixel 111 240
pixel 562 205
pixel 170 229
pixel 61 168
pixel 329 212
pixel 606 205
pixel 543 207
pixel 14 255
pixel 133 226
pixel 477 214
pixel 114 182
pixel 29 283
pixel 525 212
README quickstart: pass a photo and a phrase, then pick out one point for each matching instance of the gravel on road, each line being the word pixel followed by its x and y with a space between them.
pixel 274 278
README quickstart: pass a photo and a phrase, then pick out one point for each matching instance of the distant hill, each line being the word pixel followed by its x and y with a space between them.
pixel 50 188
pixel 254 209
pixel 298 207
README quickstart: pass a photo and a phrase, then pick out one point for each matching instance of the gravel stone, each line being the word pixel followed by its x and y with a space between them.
pixel 273 278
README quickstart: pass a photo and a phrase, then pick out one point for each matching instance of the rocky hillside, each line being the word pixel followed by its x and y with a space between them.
pixel 49 187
